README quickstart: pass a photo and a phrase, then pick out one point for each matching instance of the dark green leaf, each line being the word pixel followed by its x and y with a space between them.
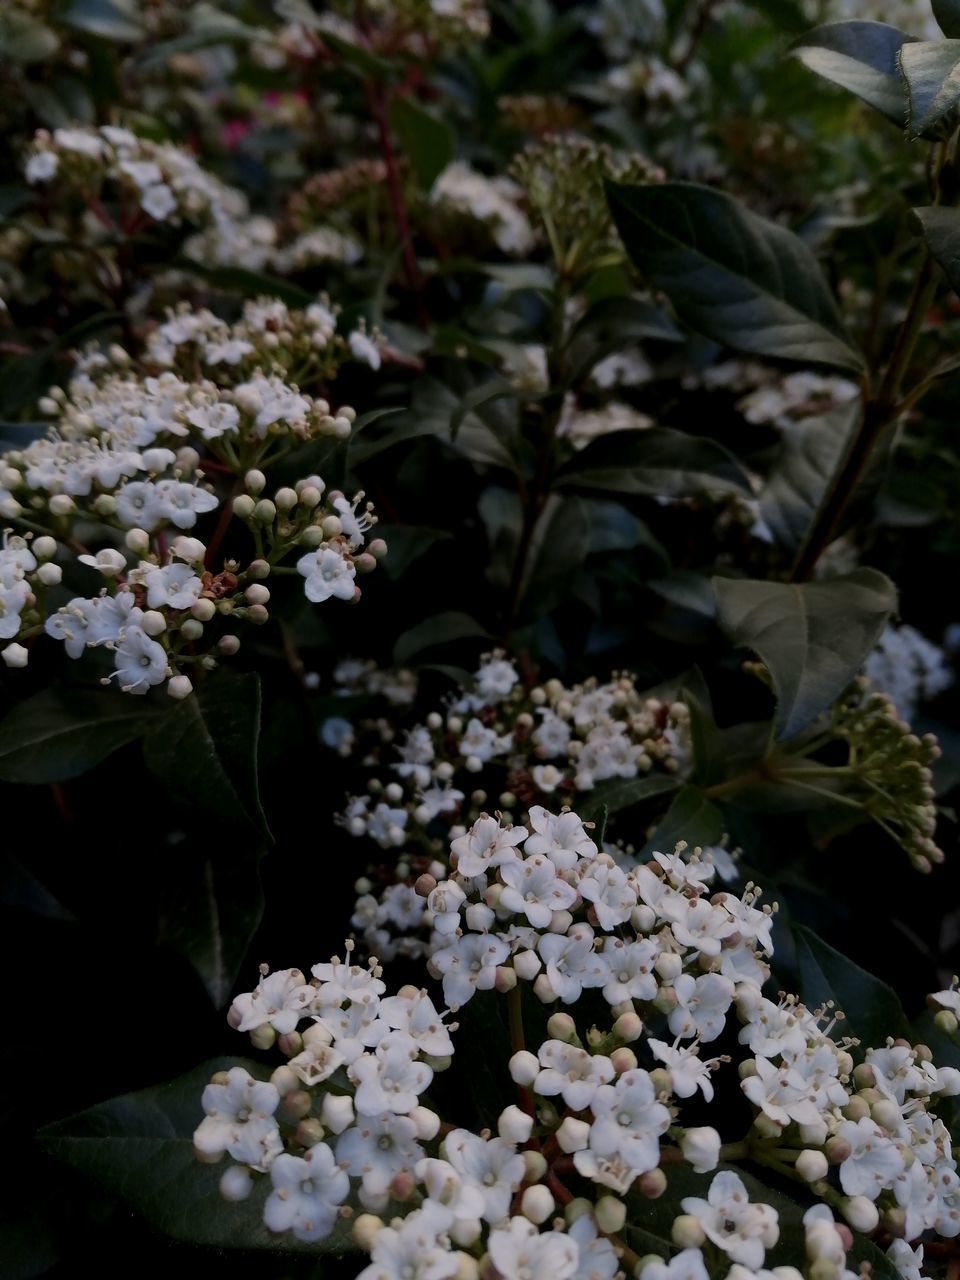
pixel 60 733
pixel 140 1148
pixel 427 141
pixel 487 392
pixel 24 38
pixel 209 914
pixel 947 14
pixel 621 793
pixel 205 749
pixel 406 544
pixel 732 275
pixel 432 632
pixel 931 72
pixel 813 637
pixel 559 545
pixel 941 230
pixel 691 817
pixel 110 19
pixel 808 459
pixel 250 284
pixel 658 462
pixel 872 1010
pixel 860 57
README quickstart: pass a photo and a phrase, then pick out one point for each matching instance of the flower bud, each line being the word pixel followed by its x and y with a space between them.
pixel 191 629
pixel 628 1027
pixel 687 1232
pixel 560 1026
pixel 236 1183
pixel 179 687
pixel 263 1037
pixel 543 990
pixel 61 504
pixel 427 1121
pixel 153 623
pixel 861 1213
pixel 514 1125
pixel 537 1204
pixel 652 1184
pixel 701 1148
pixel 331 526
pixel 308 1132
pixel 886 1113
pixel 336 1112
pixel 285 1080
pixel 228 644
pixel 812 1165
pixel 573 1135
pixel 364 1230
pixel 837 1149
pixel 526 965
pixel 946 1022
pixel 44 548
pixel 285 499
pixel 669 966
pixel 254 481
pixel 15 655
pixel 624 1059
pixel 138 541
pixel 105 504
pixel 244 506
pixel 524 1067
pixel 265 511
pixel 535 1166
pixel 610 1214
pixel 49 574
pixel 813 1135
pixel 377 548
pixel 203 610
pixel 257 614
pixel 257 593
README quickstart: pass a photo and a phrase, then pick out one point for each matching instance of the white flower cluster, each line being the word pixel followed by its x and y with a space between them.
pixel 907 667
pixel 772 396
pixel 347 1120
pixel 165 181
pixel 125 452
pixel 269 334
pixel 581 426
pixel 497 739
pixel 460 191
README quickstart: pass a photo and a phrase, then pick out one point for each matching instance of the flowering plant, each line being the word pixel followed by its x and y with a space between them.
pixel 620 339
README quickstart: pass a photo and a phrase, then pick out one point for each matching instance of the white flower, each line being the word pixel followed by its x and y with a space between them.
pixel 597 1258
pixel 702 1005
pixel 699 924
pixel 630 969
pixel 109 562
pixel 907 1261
pixel 306 1194
pixel 613 896
pixel 158 201
pixel 379 1148
pixel 469 964
pixel 363 348
pixel 140 662
pixel 874 1161
pixel 415 1013
pixel 521 1252
pixel 175 586
pixel 533 888
pixel 41 166
pixel 280 1000
pixel 571 1072
pixel 686 1265
pixel 485 846
pixel 413 1248
pixel 744 1231
pixel 183 502
pixel 494 680
pixel 328 573
pixel 571 962
pixel 392 1079
pixel 561 837
pixel 688 1072
pixel 701 1148
pixel 781 1093
pixel 493 1166
pixel 239 1120
pixel 628 1122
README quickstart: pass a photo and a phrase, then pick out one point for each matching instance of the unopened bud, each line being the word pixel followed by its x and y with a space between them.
pixel 537 1204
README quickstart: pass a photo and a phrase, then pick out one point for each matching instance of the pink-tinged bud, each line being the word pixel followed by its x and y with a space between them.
pixel 203 609
pixel 560 921
pixel 652 1184
pixel 560 1026
pixel 628 1027
pixel 296 1105
pixel 290 1044
pixel 856 1109
pixel 402 1185
pixel 364 562
pixel 308 1132
pixel 228 645
pixel 257 614
pixel 537 1204
pixel 506 979
pixel 624 1059
pixel 257 593
pixel 377 548
pixel 234 1017
pixel 573 1135
pixel 425 885
pixel 180 687
pixel 864 1076
pixel 285 1080
pixel 543 990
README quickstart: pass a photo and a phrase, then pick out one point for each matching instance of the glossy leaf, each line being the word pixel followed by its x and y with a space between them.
pixel 931 72
pixel 872 1009
pixel 427 141
pixel 796 485
pixel 658 462
pixel 732 275
pixel 139 1147
pixel 205 749
pixel 110 19
pixel 813 637
pixel 60 732
pixel 617 794
pixel 691 817
pixel 860 57
pixel 941 230
pixel 441 629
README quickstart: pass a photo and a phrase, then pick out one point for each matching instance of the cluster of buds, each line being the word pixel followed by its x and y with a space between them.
pixel 597 1121
pixel 562 177
pixel 890 770
pixel 334 189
